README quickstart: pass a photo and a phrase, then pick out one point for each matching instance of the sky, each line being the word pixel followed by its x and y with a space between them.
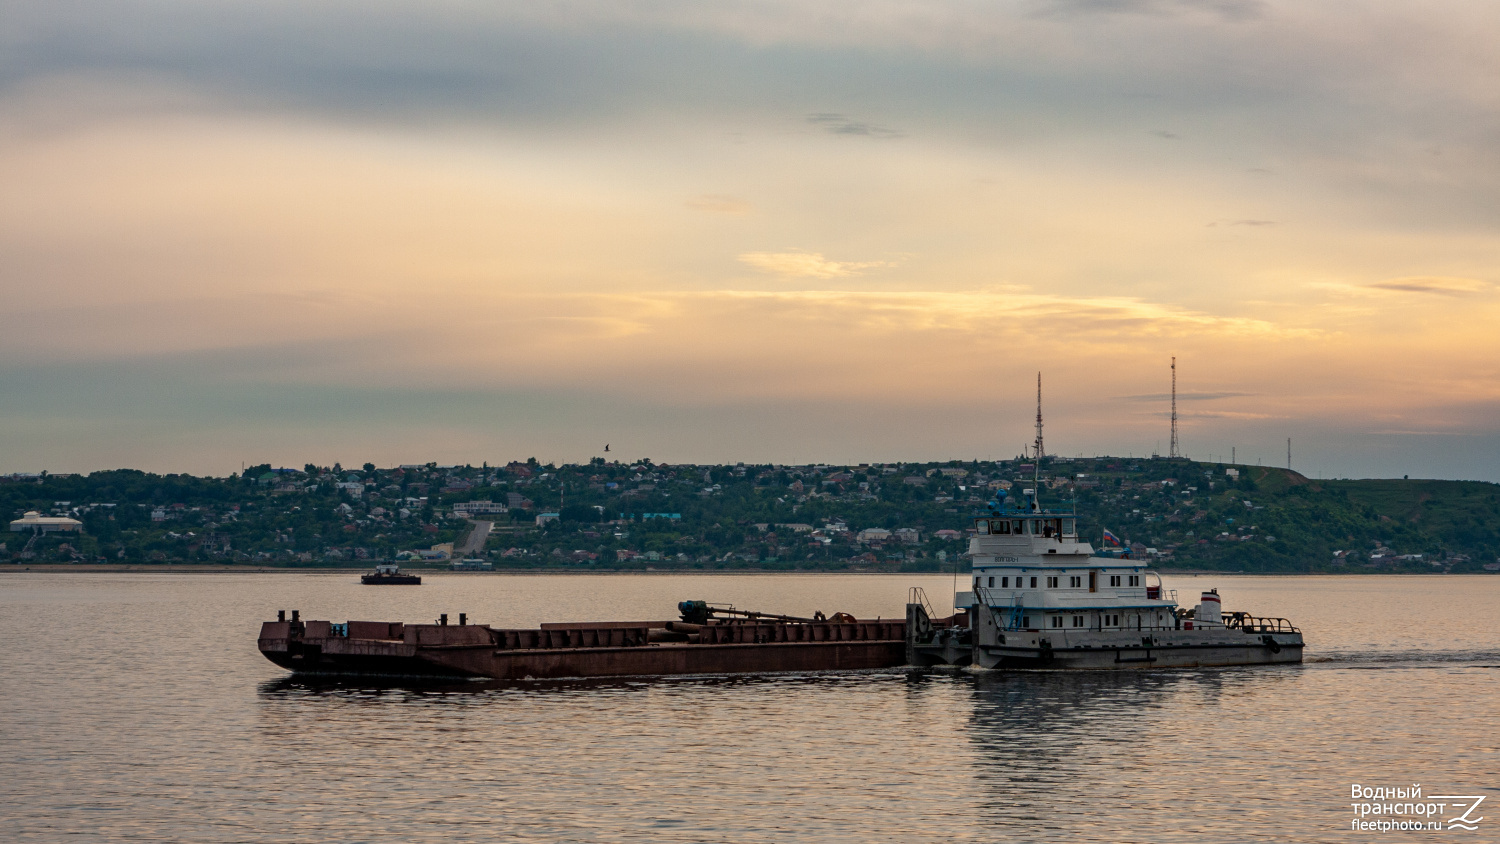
pixel 244 232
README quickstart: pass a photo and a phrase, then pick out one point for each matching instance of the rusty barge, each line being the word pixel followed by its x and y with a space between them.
pixel 706 639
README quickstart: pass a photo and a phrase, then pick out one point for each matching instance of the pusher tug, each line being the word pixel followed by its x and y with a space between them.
pixel 1041 599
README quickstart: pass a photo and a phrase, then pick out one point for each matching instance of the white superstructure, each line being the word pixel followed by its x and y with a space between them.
pixel 1031 565
pixel 1039 597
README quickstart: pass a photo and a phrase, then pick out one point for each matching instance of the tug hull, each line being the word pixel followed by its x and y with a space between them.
pixel 1126 656
pixel 987 645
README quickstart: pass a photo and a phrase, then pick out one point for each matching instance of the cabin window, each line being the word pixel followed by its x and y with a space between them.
pixel 1093 581
pixel 1135 580
pixel 1025 621
pixel 1004 583
pixel 1075 582
pixel 1070 527
pixel 1114 580
pixel 1033 583
pixel 976 583
pixel 1077 621
pixel 992 583
pixel 1051 583
pixel 1056 621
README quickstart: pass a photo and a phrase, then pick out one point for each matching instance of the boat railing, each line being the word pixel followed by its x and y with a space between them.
pixel 918 595
pixel 1258 624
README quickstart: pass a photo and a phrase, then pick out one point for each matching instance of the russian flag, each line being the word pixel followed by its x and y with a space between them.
pixel 1111 538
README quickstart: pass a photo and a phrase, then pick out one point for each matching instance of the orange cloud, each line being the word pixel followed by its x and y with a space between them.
pixel 806 264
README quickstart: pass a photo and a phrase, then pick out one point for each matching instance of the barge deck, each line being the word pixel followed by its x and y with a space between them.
pixel 739 645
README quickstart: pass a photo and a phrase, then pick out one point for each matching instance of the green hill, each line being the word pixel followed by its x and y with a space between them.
pixel 1277 520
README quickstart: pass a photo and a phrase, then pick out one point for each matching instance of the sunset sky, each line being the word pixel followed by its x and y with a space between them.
pixel 765 231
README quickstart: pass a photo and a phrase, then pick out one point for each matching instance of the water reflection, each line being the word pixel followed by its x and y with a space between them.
pixel 1057 748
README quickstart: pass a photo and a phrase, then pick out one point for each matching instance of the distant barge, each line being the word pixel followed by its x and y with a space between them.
pixel 706 640
pixel 390 575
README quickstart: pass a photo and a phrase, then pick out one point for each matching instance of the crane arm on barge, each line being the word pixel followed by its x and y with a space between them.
pixel 699 612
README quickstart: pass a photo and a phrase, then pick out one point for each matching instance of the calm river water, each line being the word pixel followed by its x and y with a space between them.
pixel 135 707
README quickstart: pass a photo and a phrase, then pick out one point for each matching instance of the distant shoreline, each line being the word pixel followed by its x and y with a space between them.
pixel 163 568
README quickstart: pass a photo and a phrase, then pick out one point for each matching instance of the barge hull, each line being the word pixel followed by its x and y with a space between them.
pixel 477 651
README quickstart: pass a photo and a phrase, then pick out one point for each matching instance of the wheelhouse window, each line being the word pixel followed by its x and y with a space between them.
pixel 1017 526
pixel 1070 527
pixel 982 527
pixel 1001 527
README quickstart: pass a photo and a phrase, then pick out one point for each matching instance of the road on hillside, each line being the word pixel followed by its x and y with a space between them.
pixel 474 542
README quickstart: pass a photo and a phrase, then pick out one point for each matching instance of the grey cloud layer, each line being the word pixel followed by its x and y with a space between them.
pixel 965 61
pixel 1394 103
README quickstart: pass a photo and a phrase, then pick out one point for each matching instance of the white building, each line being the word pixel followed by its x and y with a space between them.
pixel 476 508
pixel 37 523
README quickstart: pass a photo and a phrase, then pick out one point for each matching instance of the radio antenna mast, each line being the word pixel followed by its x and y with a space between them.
pixel 1039 450
pixel 1172 448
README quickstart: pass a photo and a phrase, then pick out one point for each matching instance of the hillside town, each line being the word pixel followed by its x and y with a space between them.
pixel 644 515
